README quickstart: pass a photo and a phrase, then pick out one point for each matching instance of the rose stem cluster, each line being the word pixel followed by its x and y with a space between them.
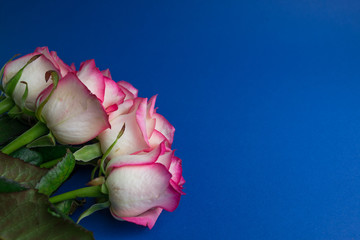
pixel 139 173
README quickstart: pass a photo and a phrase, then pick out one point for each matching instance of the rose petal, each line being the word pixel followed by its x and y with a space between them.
pixel 141 113
pixel 106 73
pixel 176 169
pixel 111 108
pixel 138 159
pixel 166 156
pixel 147 218
pixel 64 68
pixel 150 120
pixel 122 109
pixel 128 89
pixel 163 126
pixel 44 51
pixel 93 79
pixel 113 94
pixel 151 106
pixel 157 138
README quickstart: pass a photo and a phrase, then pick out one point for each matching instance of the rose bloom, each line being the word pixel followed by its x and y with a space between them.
pixel 141 185
pixel 34 74
pixel 144 127
pixel 72 113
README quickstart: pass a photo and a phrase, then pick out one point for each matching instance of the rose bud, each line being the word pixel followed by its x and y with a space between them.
pixel 142 185
pixel 72 113
pixel 33 75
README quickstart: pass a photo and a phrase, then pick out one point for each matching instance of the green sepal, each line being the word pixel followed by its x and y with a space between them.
pixel 2 71
pixel 94 208
pixel 15 112
pixel 88 152
pixel 55 78
pixel 104 189
pixel 23 101
pixel 10 86
pixel 93 172
pixel 97 181
pixel 110 148
pixel 18 113
pixel 44 141
pixel 25 95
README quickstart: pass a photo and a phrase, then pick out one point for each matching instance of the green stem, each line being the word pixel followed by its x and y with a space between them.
pixel 38 130
pixel 93 191
pixel 6 105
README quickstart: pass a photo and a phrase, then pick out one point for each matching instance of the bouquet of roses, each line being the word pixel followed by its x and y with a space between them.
pixel 53 117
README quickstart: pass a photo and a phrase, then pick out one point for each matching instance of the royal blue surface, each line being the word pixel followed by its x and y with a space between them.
pixel 264 95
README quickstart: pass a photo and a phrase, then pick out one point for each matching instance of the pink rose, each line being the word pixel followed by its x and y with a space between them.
pixel 33 74
pixel 73 114
pixel 144 127
pixel 143 184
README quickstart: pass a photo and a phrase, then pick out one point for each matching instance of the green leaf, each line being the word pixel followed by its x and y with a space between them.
pixel 17 170
pixel 10 129
pixel 88 152
pixel 7 185
pixel 27 215
pixel 28 156
pixel 57 175
pixel 44 141
pixel 94 208
pixel 58 151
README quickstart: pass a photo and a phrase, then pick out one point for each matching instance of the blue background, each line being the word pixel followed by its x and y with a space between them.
pixel 264 96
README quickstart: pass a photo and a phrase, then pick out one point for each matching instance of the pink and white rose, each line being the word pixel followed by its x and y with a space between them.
pixel 33 74
pixel 73 114
pixel 141 185
pixel 144 127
